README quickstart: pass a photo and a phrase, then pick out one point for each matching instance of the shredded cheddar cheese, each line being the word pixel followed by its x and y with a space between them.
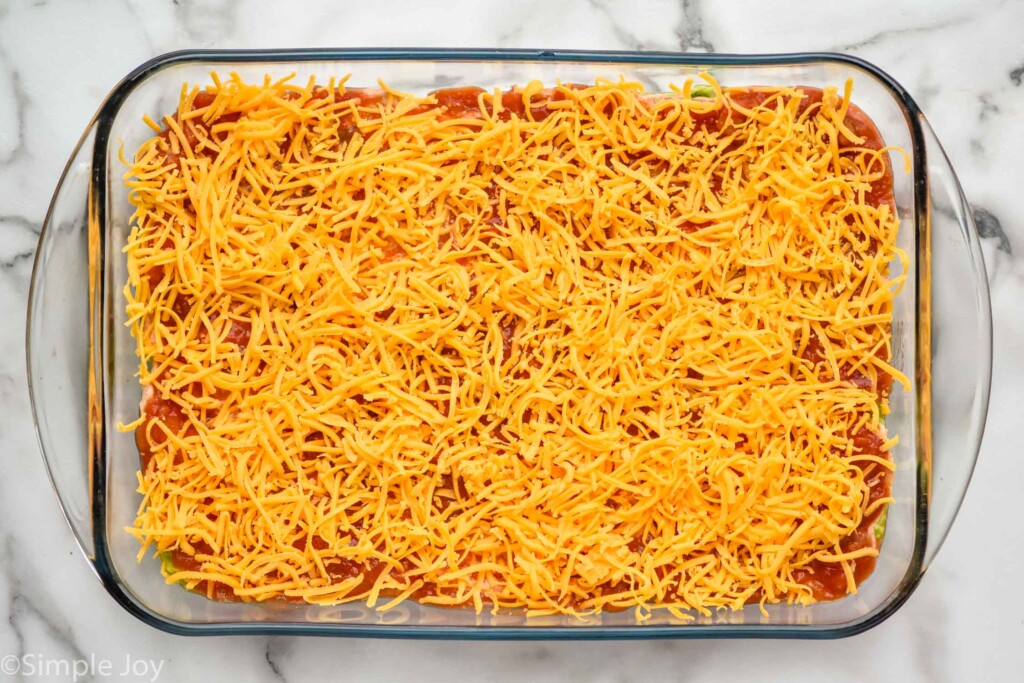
pixel 566 349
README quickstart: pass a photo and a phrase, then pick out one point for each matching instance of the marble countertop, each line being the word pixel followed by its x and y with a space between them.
pixel 961 59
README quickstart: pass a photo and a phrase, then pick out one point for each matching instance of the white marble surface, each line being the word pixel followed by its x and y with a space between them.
pixel 962 60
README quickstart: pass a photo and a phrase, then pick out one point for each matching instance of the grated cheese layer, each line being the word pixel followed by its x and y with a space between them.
pixel 564 349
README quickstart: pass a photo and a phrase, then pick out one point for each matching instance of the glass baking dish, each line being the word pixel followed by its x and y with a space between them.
pixel 81 360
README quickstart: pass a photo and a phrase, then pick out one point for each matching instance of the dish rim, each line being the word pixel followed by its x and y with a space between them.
pixel 101 126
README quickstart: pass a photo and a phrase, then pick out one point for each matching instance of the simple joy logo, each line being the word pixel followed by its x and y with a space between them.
pixel 33 665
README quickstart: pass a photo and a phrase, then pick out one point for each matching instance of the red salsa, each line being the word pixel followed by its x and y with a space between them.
pixel 827 580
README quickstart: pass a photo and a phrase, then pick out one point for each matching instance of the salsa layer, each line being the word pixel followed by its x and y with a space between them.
pixel 563 349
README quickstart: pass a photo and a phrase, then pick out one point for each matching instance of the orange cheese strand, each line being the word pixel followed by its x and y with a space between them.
pixel 552 362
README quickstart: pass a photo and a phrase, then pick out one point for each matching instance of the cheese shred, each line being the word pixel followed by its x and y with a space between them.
pixel 563 349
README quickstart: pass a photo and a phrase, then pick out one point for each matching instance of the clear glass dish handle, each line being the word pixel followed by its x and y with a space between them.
pixel 961 345
pixel 57 343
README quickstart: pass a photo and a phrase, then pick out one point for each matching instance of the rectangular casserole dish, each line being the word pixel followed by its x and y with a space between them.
pixel 81 360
